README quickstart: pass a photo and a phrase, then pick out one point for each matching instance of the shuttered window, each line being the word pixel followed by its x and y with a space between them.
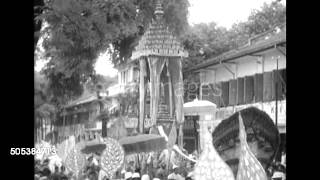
pixel 233 92
pixel 249 89
pixel 206 94
pixel 216 92
pixel 268 89
pixel 225 93
pixel 212 93
pixel 258 87
pixel 240 90
pixel 279 78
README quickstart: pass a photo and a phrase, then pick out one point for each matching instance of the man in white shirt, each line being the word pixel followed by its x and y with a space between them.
pixel 283 159
pixel 128 175
pixel 175 174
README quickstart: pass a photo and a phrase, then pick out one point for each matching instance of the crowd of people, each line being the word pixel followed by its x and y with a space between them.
pixel 93 171
pixel 277 171
pixel 43 172
pixel 159 173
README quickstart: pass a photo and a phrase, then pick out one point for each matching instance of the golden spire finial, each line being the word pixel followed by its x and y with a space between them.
pixel 159 10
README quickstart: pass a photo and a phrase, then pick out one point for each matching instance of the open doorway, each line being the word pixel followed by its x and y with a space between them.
pixel 191 134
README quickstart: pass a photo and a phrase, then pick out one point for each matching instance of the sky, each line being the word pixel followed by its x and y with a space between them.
pixel 222 12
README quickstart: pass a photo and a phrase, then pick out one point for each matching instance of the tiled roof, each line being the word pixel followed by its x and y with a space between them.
pixel 158 40
pixel 82 100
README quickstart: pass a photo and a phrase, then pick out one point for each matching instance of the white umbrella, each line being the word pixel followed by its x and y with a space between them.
pixel 197 106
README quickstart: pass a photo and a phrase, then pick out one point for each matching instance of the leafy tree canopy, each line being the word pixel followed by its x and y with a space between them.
pixel 204 41
pixel 81 29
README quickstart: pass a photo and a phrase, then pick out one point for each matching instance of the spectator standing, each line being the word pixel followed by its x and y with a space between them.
pixel 175 174
pixel 128 176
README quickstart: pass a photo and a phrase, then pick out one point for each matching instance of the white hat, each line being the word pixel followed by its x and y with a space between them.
pixel 127 175
pixel 190 174
pixel 171 176
pixel 155 179
pixel 145 177
pixel 174 166
pixel 123 171
pixel 136 175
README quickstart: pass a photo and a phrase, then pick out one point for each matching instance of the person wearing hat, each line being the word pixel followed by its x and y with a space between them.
pixel 123 172
pixel 128 175
pixel 175 174
pixel 145 177
pixel 190 176
pixel 136 176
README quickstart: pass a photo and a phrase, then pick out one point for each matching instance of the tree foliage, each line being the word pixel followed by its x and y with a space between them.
pixel 81 29
pixel 99 80
pixel 204 41
pixel 41 95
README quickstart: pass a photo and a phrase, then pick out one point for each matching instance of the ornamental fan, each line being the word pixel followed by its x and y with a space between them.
pixel 112 157
pixel 249 167
pixel 210 165
pixel 75 160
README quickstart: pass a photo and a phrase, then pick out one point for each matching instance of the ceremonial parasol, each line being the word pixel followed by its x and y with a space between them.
pixel 210 165
pixel 94 146
pixel 262 137
pixel 143 143
pixel 75 160
pixel 112 157
pixel 198 106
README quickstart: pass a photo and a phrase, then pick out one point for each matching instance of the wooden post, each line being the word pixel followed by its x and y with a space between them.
pixel 179 104
pixel 64 123
pixel 142 95
pixel 277 92
pixel 180 140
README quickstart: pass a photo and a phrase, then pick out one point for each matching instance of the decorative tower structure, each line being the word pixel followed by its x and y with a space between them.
pixel 160 56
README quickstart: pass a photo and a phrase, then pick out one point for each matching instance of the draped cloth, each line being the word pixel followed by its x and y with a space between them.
pixel 210 165
pixel 174 66
pixel 171 141
pixel 249 167
pixel 142 91
pixel 155 65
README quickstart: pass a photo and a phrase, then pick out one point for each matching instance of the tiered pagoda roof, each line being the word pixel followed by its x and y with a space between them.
pixel 158 40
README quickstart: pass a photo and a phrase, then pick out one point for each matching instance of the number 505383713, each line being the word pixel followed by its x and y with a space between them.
pixel 32 151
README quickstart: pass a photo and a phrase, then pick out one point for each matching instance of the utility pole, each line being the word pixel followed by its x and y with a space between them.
pixel 277 93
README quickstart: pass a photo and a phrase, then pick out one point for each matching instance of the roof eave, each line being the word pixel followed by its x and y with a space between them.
pixel 219 59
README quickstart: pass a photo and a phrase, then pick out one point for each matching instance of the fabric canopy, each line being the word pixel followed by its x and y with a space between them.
pixel 143 143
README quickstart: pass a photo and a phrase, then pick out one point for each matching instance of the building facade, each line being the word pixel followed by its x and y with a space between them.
pixel 79 118
pixel 253 75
